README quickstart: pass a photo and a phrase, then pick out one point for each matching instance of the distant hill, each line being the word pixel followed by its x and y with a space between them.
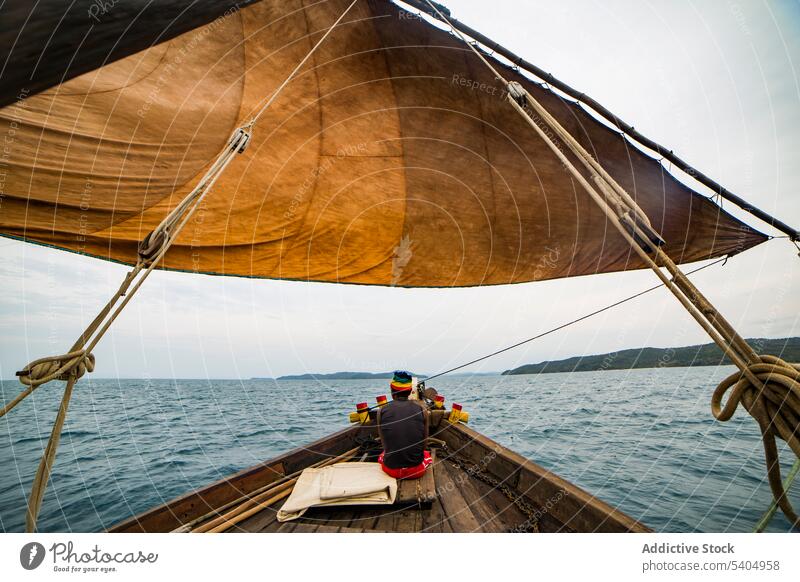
pixel 344 376
pixel 700 355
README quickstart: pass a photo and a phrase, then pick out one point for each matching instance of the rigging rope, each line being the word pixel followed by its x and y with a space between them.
pixel 773 507
pixel 71 366
pixel 767 387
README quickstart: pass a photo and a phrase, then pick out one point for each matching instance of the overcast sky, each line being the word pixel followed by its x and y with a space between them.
pixel 716 81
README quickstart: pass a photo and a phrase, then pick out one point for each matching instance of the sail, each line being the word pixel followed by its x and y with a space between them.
pixel 392 158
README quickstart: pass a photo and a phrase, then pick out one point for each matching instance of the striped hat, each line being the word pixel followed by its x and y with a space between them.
pixel 401 381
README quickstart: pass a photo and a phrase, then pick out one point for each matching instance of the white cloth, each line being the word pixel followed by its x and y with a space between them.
pixel 340 484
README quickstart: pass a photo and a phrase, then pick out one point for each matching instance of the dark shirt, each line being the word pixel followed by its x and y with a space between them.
pixel 402 424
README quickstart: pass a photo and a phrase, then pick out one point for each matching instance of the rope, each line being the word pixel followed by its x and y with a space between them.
pixel 78 360
pixel 767 386
pixel 568 323
pixel 74 364
pixel 775 405
pixel 48 458
pixel 773 507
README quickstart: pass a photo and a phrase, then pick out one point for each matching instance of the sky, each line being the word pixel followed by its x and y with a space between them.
pixel 716 81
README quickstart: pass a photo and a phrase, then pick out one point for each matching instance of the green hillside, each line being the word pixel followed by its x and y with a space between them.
pixel 700 355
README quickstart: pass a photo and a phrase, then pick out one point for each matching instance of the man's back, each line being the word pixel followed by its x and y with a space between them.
pixel 402 426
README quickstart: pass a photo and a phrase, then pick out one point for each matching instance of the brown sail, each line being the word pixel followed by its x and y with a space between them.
pixel 391 159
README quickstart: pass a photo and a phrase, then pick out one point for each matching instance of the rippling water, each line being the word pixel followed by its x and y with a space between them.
pixel 643 440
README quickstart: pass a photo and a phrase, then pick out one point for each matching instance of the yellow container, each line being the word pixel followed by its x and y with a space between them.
pixel 362 410
pixel 458 415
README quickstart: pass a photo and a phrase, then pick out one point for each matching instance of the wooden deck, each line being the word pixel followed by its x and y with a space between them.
pixel 455 501
pixel 464 504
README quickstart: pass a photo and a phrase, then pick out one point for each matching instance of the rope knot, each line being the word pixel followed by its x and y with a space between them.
pixel 779 393
pixel 61 368
pixel 774 404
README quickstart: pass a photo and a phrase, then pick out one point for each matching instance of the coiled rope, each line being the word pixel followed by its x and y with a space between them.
pixel 773 507
pixel 71 366
pixel 775 405
pixel 766 386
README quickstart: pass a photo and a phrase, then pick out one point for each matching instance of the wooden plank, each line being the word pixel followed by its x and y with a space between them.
pixel 343 516
pixel 456 509
pixel 367 517
pixel 338 516
pixel 434 519
pixel 567 503
pixel 292 527
pixel 273 527
pixel 261 520
pixel 478 496
pixel 409 520
pixel 398 519
pixel 386 519
pixel 420 491
pixel 310 528
pixel 426 492
pixel 333 529
pixel 508 514
pixel 406 491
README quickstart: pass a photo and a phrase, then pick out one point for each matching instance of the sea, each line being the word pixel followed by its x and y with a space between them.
pixel 642 440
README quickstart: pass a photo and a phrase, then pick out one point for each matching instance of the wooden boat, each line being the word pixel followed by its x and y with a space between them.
pixel 474 485
pixel 390 138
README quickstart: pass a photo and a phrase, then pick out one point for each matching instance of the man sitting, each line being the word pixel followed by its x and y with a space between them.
pixel 403 428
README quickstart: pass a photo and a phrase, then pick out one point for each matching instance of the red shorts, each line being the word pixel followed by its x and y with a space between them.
pixel 408 472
